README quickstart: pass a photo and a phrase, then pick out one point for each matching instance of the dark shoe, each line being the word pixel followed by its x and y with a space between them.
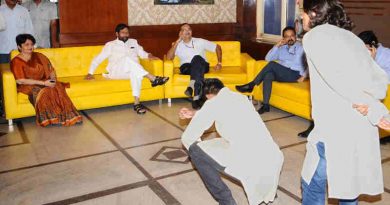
pixel 247 88
pixel 188 92
pixel 306 133
pixel 263 109
pixel 196 104
pixel 139 109
pixel 159 81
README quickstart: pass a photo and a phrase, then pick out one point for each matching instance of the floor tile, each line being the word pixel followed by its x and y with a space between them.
pixel 129 129
pixel 284 131
pixel 69 179
pixel 160 165
pixel 139 196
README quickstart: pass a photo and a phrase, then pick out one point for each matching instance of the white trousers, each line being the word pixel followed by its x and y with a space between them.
pixel 127 68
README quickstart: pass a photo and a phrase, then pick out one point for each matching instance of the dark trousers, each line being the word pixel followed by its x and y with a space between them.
pixel 274 72
pixel 196 69
pixel 4 58
pixel 209 170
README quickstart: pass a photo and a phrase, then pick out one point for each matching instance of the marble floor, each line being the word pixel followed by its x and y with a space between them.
pixel 117 157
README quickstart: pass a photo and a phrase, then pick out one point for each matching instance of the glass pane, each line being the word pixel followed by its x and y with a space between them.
pixel 291 5
pixel 272 16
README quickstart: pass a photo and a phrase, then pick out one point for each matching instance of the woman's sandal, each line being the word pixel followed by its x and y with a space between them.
pixel 140 109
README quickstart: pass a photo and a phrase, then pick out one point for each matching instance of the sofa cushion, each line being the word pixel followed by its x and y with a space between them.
pixel 228 75
pixel 298 92
pixel 98 86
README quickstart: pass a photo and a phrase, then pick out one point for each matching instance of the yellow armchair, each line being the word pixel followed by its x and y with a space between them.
pixel 237 69
pixel 71 65
pixel 295 97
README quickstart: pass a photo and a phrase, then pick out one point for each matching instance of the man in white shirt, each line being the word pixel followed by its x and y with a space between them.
pixel 245 150
pixel 18 21
pixel 123 63
pixel 192 54
pixel 43 15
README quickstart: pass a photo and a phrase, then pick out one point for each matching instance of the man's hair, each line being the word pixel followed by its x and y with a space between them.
pixel 212 86
pixel 289 28
pixel 327 11
pixel 120 27
pixel 369 38
pixel 22 38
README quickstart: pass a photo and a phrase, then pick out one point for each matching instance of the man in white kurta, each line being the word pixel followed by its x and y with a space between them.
pixel 43 14
pixel 245 150
pixel 123 56
pixel 18 21
pixel 346 87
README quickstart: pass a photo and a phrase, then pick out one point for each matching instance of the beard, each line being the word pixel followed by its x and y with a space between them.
pixel 124 39
pixel 290 42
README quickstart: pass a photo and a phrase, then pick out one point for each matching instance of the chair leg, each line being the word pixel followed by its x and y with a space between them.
pixel 10 122
pixel 169 102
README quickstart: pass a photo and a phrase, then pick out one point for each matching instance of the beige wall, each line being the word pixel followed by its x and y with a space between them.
pixel 144 12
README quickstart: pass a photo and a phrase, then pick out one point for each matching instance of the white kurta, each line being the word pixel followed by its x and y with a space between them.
pixel 41 15
pixel 245 148
pixel 343 73
pixel 18 21
pixel 123 62
pixel 3 24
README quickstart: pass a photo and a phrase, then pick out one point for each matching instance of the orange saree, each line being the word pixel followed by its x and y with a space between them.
pixel 52 105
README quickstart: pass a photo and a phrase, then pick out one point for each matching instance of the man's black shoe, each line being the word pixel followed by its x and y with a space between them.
pixel 188 92
pixel 306 133
pixel 263 109
pixel 247 88
pixel 196 104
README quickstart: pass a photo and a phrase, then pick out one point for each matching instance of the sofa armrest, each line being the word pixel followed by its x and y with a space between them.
pixel 248 64
pixel 259 65
pixel 10 92
pixel 154 67
pixel 168 68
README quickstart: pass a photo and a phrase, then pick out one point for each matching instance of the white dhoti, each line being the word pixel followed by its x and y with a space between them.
pixel 126 68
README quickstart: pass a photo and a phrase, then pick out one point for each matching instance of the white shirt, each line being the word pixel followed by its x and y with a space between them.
pixel 343 73
pixel 41 15
pixel 18 21
pixel 115 51
pixel 245 148
pixel 197 46
pixel 3 24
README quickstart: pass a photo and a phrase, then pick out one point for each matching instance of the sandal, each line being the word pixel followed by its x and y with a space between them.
pixel 159 81
pixel 139 109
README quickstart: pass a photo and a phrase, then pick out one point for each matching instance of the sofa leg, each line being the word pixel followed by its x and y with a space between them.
pixel 10 122
pixel 160 102
pixel 250 98
pixel 169 102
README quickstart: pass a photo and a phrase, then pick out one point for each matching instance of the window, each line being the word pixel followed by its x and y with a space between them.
pixel 273 16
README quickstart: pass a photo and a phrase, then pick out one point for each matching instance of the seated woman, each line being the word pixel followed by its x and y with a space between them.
pixel 36 78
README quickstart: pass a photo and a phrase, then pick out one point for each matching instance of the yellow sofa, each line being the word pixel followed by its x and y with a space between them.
pixel 237 68
pixel 71 65
pixel 295 97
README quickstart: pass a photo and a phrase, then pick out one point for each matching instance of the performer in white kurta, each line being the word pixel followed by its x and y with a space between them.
pixel 346 87
pixel 245 150
pixel 123 63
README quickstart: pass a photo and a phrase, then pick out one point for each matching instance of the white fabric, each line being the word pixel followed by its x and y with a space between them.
pixel 343 73
pixel 197 46
pixel 41 15
pixel 123 62
pixel 3 24
pixel 18 21
pixel 245 148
